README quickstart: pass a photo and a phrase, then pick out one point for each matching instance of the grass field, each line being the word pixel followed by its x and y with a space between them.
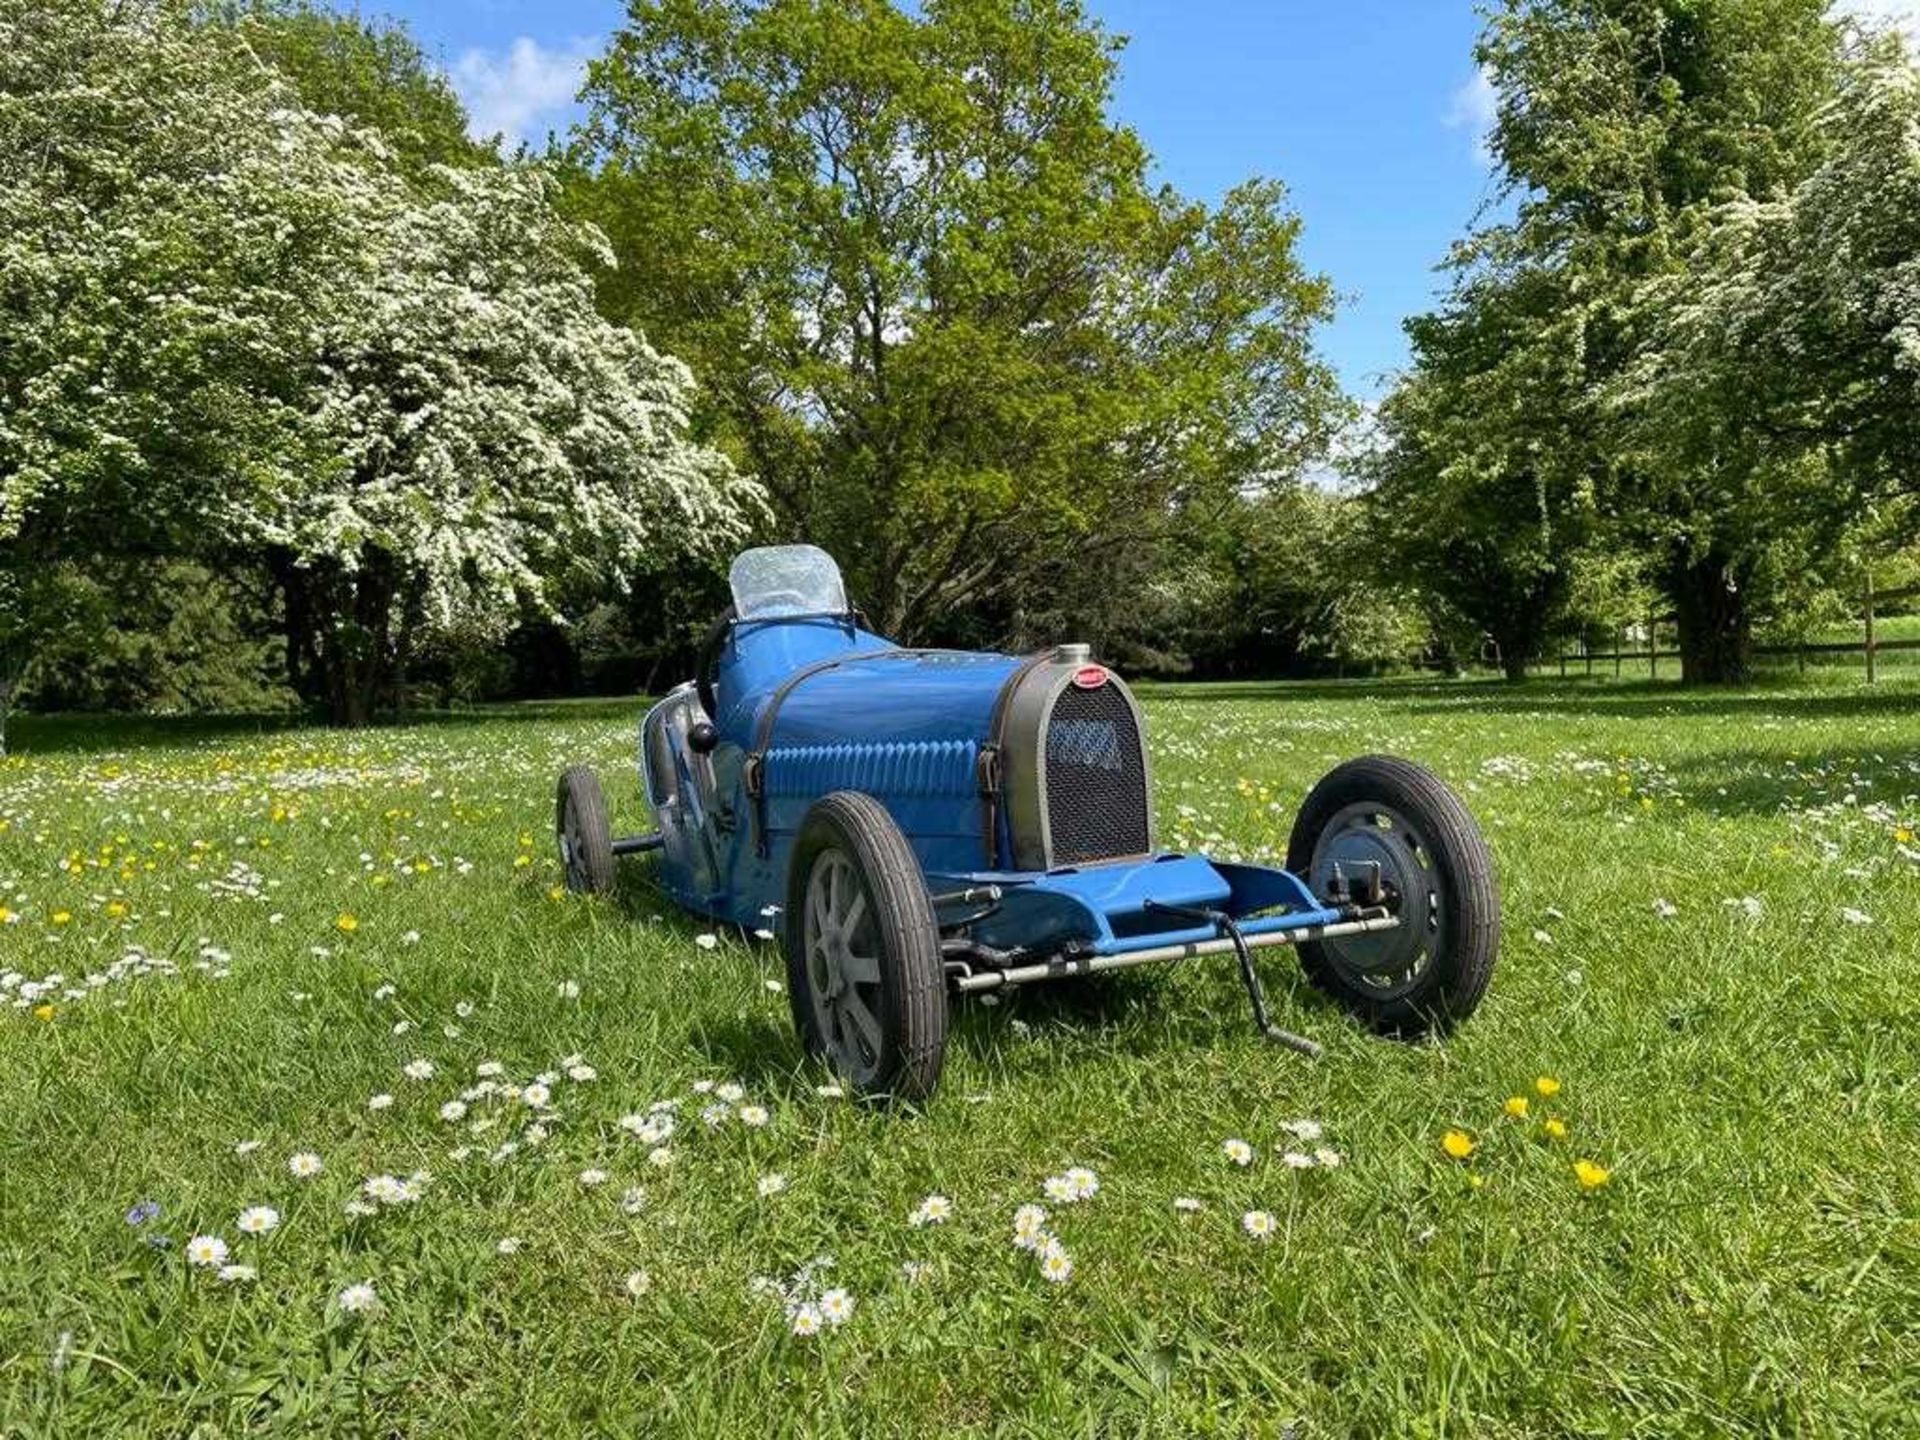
pixel 1712 910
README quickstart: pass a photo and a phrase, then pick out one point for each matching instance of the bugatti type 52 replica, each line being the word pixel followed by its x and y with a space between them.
pixel 915 823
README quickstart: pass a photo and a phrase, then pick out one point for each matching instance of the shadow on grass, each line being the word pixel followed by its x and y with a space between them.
pixel 1750 781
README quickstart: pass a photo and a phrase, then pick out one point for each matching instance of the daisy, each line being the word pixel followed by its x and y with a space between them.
pixel 702 1087
pixel 535 1096
pixel 453 1110
pixel 634 1200
pixel 934 1210
pixel 304 1165
pixel 1082 1182
pixel 489 1070
pixel 358 1299
pixel 463 1008
pixel 238 1274
pixel 257 1219
pixel 1238 1151
pixel 806 1320
pixel 568 989
pixel 836 1307
pixel 590 1178
pixel 1187 1204
pixel 1055 1264
pixel 507 1245
pixel 730 1093
pixel 247 1147
pixel 712 1116
pixel 706 942
pixel 385 1189
pixel 753 1115
pixel 1029 1227
pixel 1327 1158
pixel 379 1102
pixel 418 1069
pixel 1302 1129
pixel 660 1156
pixel 581 1073
pixel 207 1251
pixel 1260 1224
pixel 1294 1160
pixel 1059 1188
pixel 637 1283
pixel 771 1185
pixel 829 1092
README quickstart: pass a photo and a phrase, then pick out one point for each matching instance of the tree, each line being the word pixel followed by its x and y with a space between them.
pixel 1621 126
pixel 233 327
pixel 939 309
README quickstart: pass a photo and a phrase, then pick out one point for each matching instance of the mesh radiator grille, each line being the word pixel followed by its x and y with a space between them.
pixel 1096 777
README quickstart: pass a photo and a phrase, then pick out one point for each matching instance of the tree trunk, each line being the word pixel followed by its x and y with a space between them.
pixel 355 639
pixel 1716 631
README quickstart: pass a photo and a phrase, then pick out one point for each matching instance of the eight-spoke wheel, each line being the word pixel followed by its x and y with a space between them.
pixel 1437 877
pixel 863 951
pixel 580 826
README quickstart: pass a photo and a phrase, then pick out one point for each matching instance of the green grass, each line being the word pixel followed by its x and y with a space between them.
pixel 1747 1078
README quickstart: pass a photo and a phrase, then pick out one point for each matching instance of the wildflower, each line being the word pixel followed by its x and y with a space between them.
pixel 418 1069
pixel 706 942
pixel 1082 1183
pixel 1556 1128
pixel 1308 1130
pixel 258 1219
pixel 568 989
pixel 246 1147
pixel 535 1096
pixel 507 1245
pixel 729 1092
pixel 207 1251
pixel 380 1102
pixel 143 1211
pixel 634 1200
pixel 590 1178
pixel 829 1092
pixel 770 1185
pixel 453 1110
pixel 1260 1224
pixel 1547 1086
pixel 1238 1151
pixel 1665 909
pixel 358 1299
pixel 660 1157
pixel 934 1210
pixel 1294 1160
pixel 383 992
pixel 1590 1175
pixel 1187 1204
pixel 237 1274
pixel 702 1087
pixel 1855 917
pixel 581 1073
pixel 1516 1106
pixel 1327 1158
pixel 61 917
pixel 1029 1227
pixel 43 1011
pixel 637 1283
pixel 806 1320
pixel 1541 937
pixel 1457 1143
pixel 1055 1264
pixel 753 1115
pixel 489 1070
pixel 346 923
pixel 836 1307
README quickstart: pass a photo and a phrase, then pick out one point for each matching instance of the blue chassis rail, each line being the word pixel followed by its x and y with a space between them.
pixel 1108 909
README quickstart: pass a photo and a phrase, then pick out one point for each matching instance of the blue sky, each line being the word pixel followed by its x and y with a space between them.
pixel 1370 110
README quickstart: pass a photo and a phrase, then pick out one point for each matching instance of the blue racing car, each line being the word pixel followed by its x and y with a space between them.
pixel 914 822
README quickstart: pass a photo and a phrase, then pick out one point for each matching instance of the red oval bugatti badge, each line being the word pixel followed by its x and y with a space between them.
pixel 1090 677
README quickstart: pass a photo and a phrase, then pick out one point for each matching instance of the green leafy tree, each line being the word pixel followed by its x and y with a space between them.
pixel 939 310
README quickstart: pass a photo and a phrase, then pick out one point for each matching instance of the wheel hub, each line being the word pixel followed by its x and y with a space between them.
pixel 1374 834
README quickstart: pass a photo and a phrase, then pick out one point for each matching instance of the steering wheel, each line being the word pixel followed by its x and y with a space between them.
pixel 708 664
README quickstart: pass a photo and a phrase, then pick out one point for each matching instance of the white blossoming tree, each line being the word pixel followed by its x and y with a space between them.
pixel 235 328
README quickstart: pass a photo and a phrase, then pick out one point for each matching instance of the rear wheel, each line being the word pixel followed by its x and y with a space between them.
pixel 585 838
pixel 863 952
pixel 1430 972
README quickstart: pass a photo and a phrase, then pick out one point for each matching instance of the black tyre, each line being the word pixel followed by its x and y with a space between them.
pixel 863 953
pixel 1429 974
pixel 580 825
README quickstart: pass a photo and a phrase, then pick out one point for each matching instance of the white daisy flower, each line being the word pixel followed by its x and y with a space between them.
pixel 836 1307
pixel 753 1115
pixel 383 992
pixel 806 1320
pixel 304 1165
pixel 1294 1160
pixel 238 1274
pixel 634 1200
pixel 421 1069
pixel 257 1219
pixel 1187 1204
pixel 660 1156
pixel 829 1092
pixel 380 1102
pixel 731 1093
pixel 637 1283
pixel 463 1008
pixel 1081 1181
pixel 535 1096
pixel 706 942
pixel 246 1147
pixel 1238 1151
pixel 769 1185
pixel 568 989
pixel 1328 1158
pixel 207 1251
pixel 358 1299
pixel 359 1209
pixel 590 1178
pixel 702 1087
pixel 1029 1227
pixel 581 1073
pixel 453 1110
pixel 1058 1188
pixel 934 1210
pixel 1308 1130
pixel 507 1245
pixel 1055 1264
pixel 1260 1224
pixel 489 1070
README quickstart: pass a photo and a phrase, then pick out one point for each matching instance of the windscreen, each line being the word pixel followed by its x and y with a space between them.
pixel 786 580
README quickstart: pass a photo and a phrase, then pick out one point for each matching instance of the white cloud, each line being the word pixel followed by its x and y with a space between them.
pixel 1471 108
pixel 523 93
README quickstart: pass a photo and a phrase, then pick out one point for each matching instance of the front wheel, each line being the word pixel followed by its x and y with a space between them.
pixel 863 952
pixel 1430 972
